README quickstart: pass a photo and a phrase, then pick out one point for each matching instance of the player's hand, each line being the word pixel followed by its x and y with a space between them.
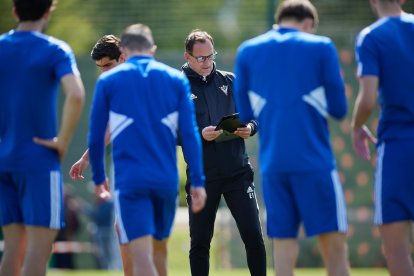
pixel 360 138
pixel 102 191
pixel 209 133
pixel 198 199
pixel 53 144
pixel 76 170
pixel 244 132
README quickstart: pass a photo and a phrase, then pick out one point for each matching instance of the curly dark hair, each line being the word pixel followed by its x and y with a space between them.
pixel 106 46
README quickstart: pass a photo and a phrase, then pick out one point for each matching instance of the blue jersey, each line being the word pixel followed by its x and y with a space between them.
pixel 145 103
pixel 290 82
pixel 31 67
pixel 385 49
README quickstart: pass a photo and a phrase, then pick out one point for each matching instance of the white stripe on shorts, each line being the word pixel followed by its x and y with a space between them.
pixel 378 185
pixel 340 202
pixel 55 200
pixel 120 224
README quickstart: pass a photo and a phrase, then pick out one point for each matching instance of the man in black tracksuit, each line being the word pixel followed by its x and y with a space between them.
pixel 226 163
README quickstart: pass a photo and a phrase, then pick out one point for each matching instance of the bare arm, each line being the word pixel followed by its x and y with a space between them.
pixel 364 106
pixel 76 171
pixel 72 108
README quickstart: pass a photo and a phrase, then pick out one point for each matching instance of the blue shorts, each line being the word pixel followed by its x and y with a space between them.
pixel 394 182
pixel 33 198
pixel 315 199
pixel 145 212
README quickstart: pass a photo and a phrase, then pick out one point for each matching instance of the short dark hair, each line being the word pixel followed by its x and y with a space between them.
pixel 298 10
pixel 196 35
pixel 32 10
pixel 137 37
pixel 106 46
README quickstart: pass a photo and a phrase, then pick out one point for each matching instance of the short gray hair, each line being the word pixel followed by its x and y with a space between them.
pixel 137 37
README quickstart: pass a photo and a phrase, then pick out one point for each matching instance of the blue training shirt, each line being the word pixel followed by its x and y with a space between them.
pixel 145 103
pixel 290 81
pixel 31 67
pixel 385 49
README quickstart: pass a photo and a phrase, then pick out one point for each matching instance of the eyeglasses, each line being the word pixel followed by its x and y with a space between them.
pixel 201 59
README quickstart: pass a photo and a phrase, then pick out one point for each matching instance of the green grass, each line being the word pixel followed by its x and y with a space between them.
pixel 223 272
pixel 178 262
pixel 179 265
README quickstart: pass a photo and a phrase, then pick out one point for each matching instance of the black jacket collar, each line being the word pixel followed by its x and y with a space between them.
pixel 193 76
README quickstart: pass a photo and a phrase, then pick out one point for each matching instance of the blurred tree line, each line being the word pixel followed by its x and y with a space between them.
pixel 81 22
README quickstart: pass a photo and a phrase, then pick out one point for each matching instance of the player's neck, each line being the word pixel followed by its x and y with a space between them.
pixel 290 25
pixel 35 26
pixel 138 53
pixel 390 9
pixel 306 25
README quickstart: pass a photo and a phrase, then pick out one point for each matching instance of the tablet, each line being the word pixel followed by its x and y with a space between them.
pixel 230 123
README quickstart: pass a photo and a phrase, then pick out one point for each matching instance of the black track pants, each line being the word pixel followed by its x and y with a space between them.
pixel 243 206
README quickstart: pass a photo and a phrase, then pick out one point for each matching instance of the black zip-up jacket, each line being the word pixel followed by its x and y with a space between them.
pixel 213 99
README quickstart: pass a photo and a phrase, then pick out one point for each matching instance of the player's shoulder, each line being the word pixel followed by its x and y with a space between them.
pixel 372 30
pixel 168 71
pixel 250 47
pixel 281 36
pixel 39 41
pixel 114 73
pixel 407 17
pixel 225 74
pixel 52 43
pixel 167 68
pixel 154 67
pixel 315 38
pixel 384 25
pixel 257 40
pixel 320 44
pixel 5 36
pixel 59 43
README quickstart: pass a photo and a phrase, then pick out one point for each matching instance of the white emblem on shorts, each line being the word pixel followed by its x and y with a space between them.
pixel 250 191
pixel 224 89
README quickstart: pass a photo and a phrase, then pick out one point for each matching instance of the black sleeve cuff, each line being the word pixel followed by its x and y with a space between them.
pixel 254 125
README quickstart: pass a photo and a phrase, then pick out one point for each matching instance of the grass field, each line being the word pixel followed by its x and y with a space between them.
pixel 179 264
pixel 233 272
